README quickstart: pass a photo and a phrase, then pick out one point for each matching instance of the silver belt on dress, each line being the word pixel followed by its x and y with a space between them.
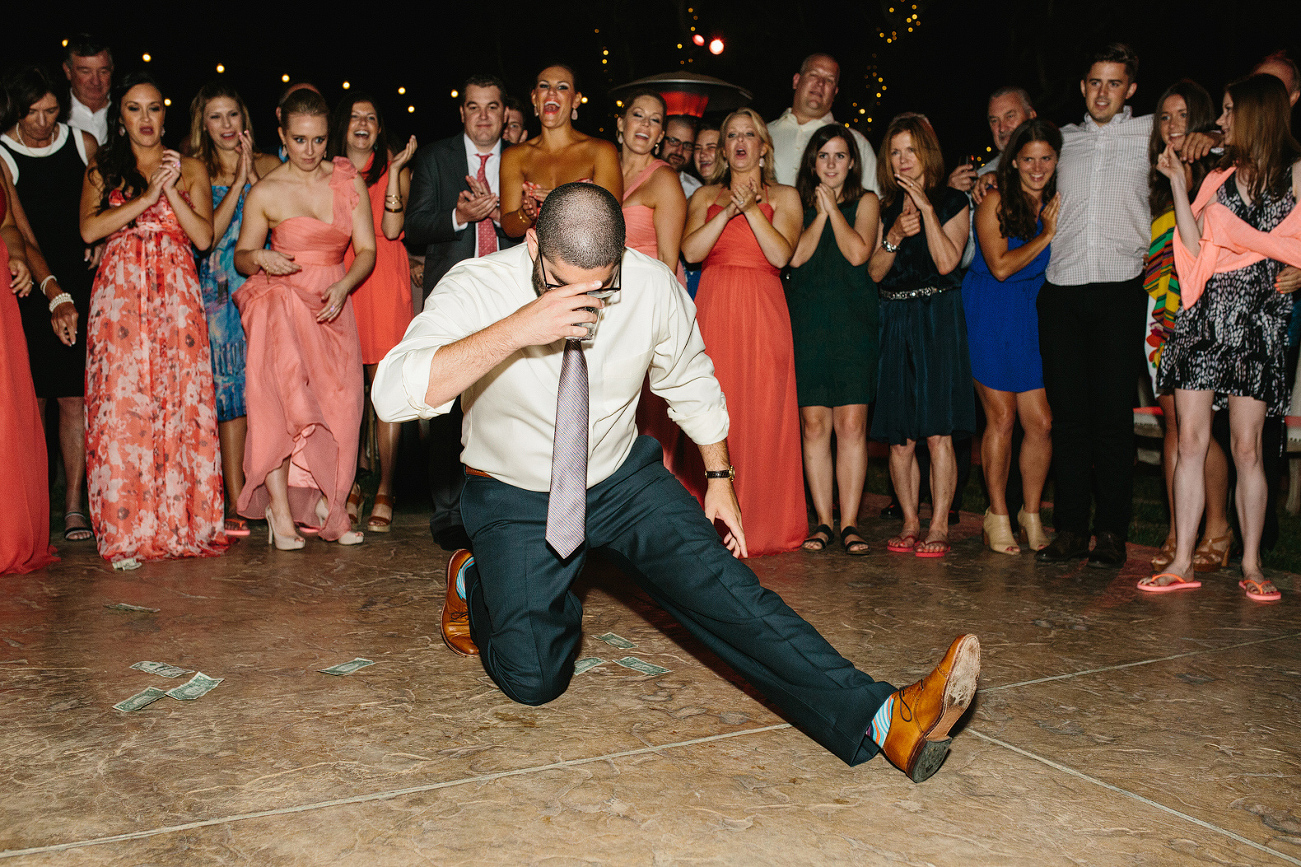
pixel 906 294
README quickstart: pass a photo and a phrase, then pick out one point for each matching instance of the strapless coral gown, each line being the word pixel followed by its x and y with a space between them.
pixel 303 378
pixel 382 303
pixel 743 319
pixel 652 410
pixel 25 506
pixel 153 464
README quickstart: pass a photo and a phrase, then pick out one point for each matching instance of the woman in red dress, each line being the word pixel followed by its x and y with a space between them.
pixel 744 226
pixel 303 378
pixel 25 508
pixel 152 452
pixel 382 303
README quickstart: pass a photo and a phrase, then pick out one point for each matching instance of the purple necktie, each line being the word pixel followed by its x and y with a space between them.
pixel 567 506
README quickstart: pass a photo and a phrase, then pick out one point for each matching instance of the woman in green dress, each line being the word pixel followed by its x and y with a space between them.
pixel 833 307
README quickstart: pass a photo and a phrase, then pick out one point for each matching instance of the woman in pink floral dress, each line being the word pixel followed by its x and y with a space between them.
pixel 151 428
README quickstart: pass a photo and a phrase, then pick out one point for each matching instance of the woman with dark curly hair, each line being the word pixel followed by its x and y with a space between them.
pixel 149 389
pixel 1015 225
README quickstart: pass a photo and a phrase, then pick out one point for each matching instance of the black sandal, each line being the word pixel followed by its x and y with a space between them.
pixel 84 533
pixel 821 543
pixel 858 547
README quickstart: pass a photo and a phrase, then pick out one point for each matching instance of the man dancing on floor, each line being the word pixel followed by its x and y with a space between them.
pixel 555 468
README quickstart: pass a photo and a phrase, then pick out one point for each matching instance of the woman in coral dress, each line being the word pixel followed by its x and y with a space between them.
pixel 151 425
pixel 25 507
pixel 303 378
pixel 744 226
pixel 382 303
pixel 654 210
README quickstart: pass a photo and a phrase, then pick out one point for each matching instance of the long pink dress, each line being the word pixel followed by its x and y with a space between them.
pixel 743 318
pixel 652 410
pixel 304 378
pixel 153 463
pixel 25 506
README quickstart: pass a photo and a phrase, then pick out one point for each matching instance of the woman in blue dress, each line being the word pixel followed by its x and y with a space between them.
pixel 221 138
pixel 1014 229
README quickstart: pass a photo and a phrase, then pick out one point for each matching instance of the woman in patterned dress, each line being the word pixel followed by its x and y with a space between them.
pixel 1230 340
pixel 151 426
pixel 221 139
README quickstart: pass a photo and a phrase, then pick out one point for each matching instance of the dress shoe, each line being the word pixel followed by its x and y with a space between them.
pixel 1108 551
pixel 456 614
pixel 923 713
pixel 1067 546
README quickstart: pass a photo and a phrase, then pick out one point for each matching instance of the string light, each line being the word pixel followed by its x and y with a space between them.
pixel 221 68
pixel 410 109
pixel 455 94
pixel 65 43
pixel 347 85
pixel 146 58
pixel 401 91
pixel 285 78
pixel 167 101
pixel 716 46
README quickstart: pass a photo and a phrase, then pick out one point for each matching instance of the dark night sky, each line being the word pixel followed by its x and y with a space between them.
pixel 945 68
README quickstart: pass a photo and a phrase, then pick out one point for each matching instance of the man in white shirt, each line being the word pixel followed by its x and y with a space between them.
pixel 816 86
pixel 88 64
pixel 452 215
pixel 1091 312
pixel 501 332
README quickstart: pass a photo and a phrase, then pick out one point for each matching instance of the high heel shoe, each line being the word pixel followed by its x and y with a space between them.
pixel 1165 556
pixel 282 543
pixel 1212 554
pixel 1032 530
pixel 997 534
pixel 351 537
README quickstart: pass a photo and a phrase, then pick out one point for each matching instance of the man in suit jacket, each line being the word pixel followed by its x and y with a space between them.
pixel 453 214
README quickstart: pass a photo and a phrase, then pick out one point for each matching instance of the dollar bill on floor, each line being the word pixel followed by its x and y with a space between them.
pixel 161 669
pixel 122 606
pixel 616 641
pixel 196 687
pixel 144 698
pixel 640 665
pixel 346 667
pixel 587 663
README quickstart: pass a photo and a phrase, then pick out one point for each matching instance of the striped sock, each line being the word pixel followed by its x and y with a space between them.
pixel 460 577
pixel 881 722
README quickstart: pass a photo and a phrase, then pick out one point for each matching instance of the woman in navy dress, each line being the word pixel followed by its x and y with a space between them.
pixel 1014 227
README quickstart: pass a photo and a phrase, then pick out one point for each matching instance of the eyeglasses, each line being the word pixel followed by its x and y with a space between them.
pixel 616 280
pixel 670 141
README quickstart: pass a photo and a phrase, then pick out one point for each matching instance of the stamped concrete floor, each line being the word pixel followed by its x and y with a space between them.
pixel 1112 727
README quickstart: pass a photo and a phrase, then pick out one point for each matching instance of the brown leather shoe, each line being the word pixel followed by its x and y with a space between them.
pixel 924 712
pixel 456 615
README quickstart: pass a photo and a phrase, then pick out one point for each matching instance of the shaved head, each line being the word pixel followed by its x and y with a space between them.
pixel 582 225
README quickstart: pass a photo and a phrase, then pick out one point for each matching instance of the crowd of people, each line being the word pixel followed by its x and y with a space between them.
pixel 208 320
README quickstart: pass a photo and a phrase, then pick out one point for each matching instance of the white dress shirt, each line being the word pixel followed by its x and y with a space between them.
pixel 790 137
pixel 1105 224
pixel 492 168
pixel 689 183
pixel 510 413
pixel 93 122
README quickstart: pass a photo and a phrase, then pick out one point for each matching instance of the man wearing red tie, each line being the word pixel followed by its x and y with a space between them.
pixel 550 373
pixel 453 215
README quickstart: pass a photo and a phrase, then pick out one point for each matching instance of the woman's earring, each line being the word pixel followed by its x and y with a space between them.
pixel 573 115
pixel 121 130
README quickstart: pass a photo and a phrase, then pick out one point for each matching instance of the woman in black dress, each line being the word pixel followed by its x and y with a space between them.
pixel 46 160
pixel 924 386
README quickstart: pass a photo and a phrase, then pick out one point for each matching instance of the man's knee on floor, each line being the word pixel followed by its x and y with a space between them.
pixel 534 687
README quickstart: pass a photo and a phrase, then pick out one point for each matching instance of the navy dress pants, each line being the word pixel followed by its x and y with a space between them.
pixel 527 622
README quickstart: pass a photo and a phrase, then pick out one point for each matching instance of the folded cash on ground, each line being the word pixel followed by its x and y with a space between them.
pixel 144 698
pixel 161 669
pixel 587 663
pixel 616 641
pixel 640 665
pixel 196 687
pixel 122 606
pixel 346 667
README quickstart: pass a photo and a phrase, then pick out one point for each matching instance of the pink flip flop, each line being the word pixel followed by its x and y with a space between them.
pixel 1178 582
pixel 1256 590
pixel 905 545
pixel 918 552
